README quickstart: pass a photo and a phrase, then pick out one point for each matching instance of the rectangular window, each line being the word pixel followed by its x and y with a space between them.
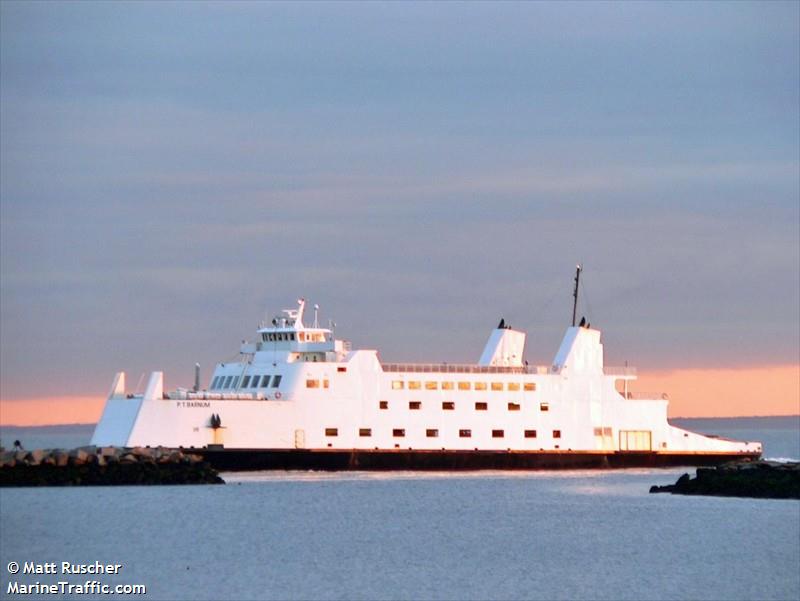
pixel 480 385
pixel 465 433
pixel 498 434
pixel 529 386
pixel 365 432
pixel 513 386
pixel 398 432
pixel 331 431
pixel 464 386
pixel 312 383
pixel 448 405
pixel 598 431
pixel 214 382
pixel 556 433
pixel 325 384
pixel 383 404
pixel 414 385
pixel 530 433
pixel 276 381
pixel 228 381
pixel 254 381
pixel 481 406
pixel 341 370
pixel 513 406
pixel 431 385
pixel 544 406
pixel 246 382
pixel 606 431
pixel 235 384
pixel 497 386
pixel 414 405
pixel 398 385
pixel 264 381
pixel 447 386
pixel 432 433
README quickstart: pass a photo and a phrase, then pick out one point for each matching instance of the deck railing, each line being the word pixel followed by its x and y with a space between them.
pixel 463 368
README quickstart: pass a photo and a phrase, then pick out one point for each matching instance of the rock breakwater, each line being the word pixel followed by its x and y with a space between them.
pixel 760 479
pixel 102 466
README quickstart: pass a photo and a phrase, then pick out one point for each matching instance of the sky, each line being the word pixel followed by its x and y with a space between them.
pixel 173 173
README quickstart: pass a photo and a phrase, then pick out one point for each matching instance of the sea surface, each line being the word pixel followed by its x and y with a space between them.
pixel 414 535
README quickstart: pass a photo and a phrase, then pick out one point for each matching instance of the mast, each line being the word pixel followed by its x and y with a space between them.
pixel 575 293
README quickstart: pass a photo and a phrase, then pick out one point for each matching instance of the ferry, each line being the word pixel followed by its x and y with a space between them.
pixel 299 398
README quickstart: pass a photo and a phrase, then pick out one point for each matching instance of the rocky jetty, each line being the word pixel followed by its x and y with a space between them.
pixel 100 466
pixel 759 479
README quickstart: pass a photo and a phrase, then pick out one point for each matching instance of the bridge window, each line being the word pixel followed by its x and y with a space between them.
pixel 264 381
pixel 276 381
pixel 228 381
pixel 365 432
pixel 331 431
pixel 513 406
pixel 414 405
pixel 465 433
pixel 431 385
pixel 498 434
pixel 254 382
pixel 432 433
pixel 235 382
pixel 464 385
pixel 481 406
pixel 447 386
pixel 414 385
pixel 497 386
pixel 246 382
pixel 214 382
pixel 544 406
pixel 448 405
pixel 514 386
pixel 529 386
pixel 530 433
pixel 398 385
pixel 398 432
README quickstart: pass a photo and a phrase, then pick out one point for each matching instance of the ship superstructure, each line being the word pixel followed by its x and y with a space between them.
pixel 300 398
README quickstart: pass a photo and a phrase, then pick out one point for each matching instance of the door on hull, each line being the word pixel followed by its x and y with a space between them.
pixel 635 440
pixel 299 439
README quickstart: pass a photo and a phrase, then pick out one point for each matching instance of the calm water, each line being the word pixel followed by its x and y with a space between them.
pixel 570 535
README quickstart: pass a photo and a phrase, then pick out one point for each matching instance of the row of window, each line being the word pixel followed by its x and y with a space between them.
pixel 434 433
pixel 301 336
pixel 249 381
pixel 450 405
pixel 435 385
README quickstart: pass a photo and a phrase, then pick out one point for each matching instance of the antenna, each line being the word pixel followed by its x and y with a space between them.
pixel 575 293
pixel 316 315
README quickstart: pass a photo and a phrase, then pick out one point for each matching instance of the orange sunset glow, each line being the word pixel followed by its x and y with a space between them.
pixel 692 392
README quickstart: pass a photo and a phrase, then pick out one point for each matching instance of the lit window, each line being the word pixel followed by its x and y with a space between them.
pixel 246 382
pixel 398 432
pixel 432 433
pixel 480 385
pixel 530 433
pixel 465 433
pixel 448 405
pixel 598 431
pixel 464 386
pixel 513 406
pixel 529 386
pixel 431 385
pixel 498 434
pixel 331 431
pixel 301 336
pixel 312 383
pixel 397 385
pixel 606 431
pixel 264 381
pixel 383 404
pixel 544 406
pixel 276 381
pixel 513 385
pixel 497 386
pixel 481 406
pixel 254 381
pixel 414 385
pixel 556 433
pixel 325 383
pixel 447 386
pixel 414 405
pixel 365 432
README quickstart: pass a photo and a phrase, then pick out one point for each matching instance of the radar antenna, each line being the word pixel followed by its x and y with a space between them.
pixel 575 293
